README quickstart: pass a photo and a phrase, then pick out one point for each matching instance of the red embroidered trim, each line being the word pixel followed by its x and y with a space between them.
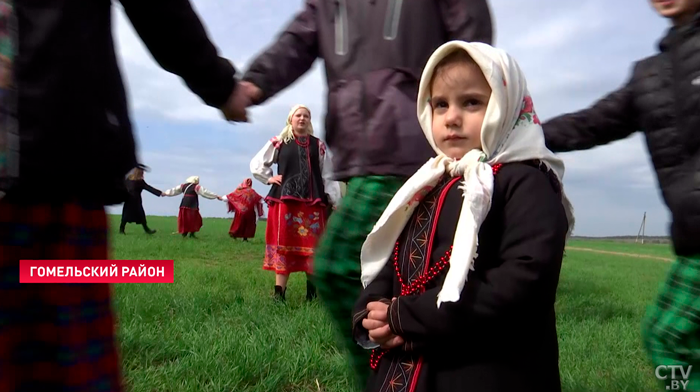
pixel 418 285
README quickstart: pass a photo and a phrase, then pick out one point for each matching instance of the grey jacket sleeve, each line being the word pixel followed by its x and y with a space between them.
pixel 288 58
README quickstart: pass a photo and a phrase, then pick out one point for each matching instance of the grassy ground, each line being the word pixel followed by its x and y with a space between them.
pixel 217 329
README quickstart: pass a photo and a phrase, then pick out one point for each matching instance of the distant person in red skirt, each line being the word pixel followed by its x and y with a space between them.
pixel 298 200
pixel 73 115
pixel 244 202
pixel 189 220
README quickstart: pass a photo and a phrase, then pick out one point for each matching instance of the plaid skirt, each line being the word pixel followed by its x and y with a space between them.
pixel 671 328
pixel 337 262
pixel 55 337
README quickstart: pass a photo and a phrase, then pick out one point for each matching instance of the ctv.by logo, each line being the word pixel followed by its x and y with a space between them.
pixel 675 383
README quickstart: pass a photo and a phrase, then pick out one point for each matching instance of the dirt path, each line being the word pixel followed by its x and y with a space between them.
pixel 607 252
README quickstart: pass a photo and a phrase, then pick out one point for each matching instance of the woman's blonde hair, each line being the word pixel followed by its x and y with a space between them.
pixel 287 134
pixel 136 174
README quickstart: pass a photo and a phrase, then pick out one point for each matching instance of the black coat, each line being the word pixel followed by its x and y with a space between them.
pixel 662 100
pixel 133 206
pixel 501 335
pixel 73 112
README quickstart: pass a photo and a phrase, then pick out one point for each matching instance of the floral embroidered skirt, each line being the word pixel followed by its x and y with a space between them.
pixel 293 228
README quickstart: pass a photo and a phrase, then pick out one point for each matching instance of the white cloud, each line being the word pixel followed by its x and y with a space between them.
pixel 572 52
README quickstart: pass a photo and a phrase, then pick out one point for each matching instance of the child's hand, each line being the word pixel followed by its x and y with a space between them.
pixel 378 311
pixel 394 341
pixel 377 325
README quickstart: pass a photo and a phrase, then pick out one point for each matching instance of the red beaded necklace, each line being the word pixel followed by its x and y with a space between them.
pixel 418 284
pixel 302 141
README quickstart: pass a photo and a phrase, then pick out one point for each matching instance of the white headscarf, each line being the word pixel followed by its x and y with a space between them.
pixel 192 180
pixel 287 133
pixel 511 132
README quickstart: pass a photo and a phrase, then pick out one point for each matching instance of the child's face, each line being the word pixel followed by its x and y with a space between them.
pixel 460 94
pixel 676 9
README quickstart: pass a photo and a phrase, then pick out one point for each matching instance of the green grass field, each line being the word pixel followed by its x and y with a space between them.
pixel 217 329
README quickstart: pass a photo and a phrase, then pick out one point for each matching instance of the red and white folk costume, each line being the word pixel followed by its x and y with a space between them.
pixel 189 220
pixel 297 210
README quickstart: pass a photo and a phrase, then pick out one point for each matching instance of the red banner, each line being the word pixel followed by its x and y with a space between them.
pixel 96 271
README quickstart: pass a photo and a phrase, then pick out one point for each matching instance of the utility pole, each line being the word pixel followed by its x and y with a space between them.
pixel 642 228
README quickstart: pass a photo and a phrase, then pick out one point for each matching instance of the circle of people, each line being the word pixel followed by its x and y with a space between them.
pixel 302 197
pixel 452 230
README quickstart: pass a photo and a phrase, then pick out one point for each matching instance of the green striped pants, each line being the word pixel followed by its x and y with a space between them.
pixel 337 258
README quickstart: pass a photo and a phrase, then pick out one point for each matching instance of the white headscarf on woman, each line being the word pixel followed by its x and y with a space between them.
pixel 192 180
pixel 287 133
pixel 511 132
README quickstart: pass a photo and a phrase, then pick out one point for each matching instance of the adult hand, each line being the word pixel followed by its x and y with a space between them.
pixel 252 91
pixel 275 180
pixel 235 107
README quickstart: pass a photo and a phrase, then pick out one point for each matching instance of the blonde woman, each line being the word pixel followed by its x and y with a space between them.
pixel 189 220
pixel 133 212
pixel 298 199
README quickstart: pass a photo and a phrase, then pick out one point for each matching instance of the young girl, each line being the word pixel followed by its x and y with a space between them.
pixel 438 313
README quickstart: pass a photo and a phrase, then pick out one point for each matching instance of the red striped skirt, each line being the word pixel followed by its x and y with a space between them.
pixel 55 336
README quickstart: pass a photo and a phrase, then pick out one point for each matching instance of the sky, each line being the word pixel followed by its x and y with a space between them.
pixel 572 53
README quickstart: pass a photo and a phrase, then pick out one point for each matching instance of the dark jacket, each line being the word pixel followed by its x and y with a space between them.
pixel 662 100
pixel 132 211
pixel 374 52
pixel 73 115
pixel 501 335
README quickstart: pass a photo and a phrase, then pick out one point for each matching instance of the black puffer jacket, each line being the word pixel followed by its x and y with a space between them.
pixel 662 99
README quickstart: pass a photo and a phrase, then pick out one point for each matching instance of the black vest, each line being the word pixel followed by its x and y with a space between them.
pixel 190 199
pixel 298 162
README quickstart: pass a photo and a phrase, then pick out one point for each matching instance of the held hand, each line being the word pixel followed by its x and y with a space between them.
pixel 377 311
pixel 253 92
pixel 382 335
pixel 275 180
pixel 235 107
pixel 377 325
pixel 394 341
